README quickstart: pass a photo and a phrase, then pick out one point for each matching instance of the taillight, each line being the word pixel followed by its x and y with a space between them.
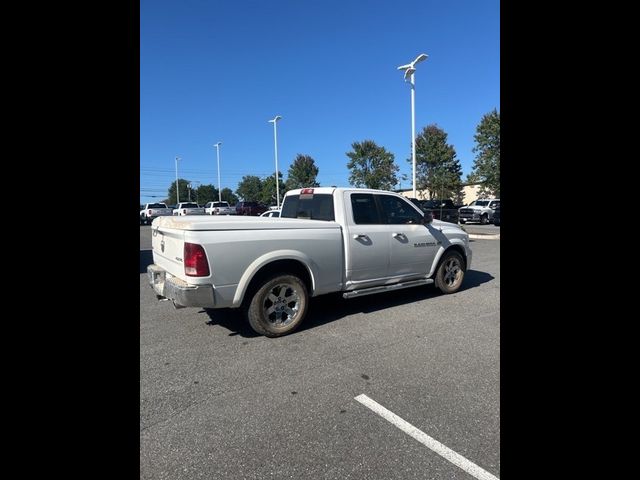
pixel 149 213
pixel 184 212
pixel 195 260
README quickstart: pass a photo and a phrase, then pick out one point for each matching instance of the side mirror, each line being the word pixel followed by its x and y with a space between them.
pixel 427 218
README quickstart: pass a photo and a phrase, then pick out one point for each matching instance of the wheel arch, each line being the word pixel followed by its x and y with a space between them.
pixel 452 247
pixel 263 268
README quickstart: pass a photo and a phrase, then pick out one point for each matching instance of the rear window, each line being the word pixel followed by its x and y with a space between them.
pixel 190 205
pixel 220 204
pixel 315 207
pixel 157 205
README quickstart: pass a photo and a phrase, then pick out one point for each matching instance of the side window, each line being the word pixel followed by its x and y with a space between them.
pixel 495 204
pixel 396 211
pixel 364 209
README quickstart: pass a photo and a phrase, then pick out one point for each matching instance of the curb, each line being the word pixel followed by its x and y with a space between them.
pixel 484 237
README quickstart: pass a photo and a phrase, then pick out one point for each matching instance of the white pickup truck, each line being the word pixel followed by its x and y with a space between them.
pixel 153 210
pixel 188 208
pixel 219 208
pixel 354 241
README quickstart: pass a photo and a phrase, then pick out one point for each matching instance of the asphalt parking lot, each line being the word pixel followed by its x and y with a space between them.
pixel 219 402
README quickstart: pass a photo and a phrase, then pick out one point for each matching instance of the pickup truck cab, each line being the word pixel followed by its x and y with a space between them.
pixel 149 211
pixel 480 210
pixel 354 241
pixel 219 208
pixel 188 208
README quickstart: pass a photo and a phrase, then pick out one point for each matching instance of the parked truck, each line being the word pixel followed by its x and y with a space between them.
pixel 188 208
pixel 355 241
pixel 443 210
pixel 153 210
pixel 479 211
pixel 219 208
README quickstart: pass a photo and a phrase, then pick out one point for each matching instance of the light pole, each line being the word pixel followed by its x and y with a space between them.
pixel 409 71
pixel 177 189
pixel 275 141
pixel 217 145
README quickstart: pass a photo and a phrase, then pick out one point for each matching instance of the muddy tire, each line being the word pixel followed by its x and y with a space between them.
pixel 450 273
pixel 484 219
pixel 278 306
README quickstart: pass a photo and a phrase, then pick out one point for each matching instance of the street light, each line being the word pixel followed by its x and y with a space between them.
pixel 409 71
pixel 217 145
pixel 177 189
pixel 275 140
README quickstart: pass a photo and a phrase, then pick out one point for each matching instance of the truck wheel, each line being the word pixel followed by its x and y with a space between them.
pixel 278 306
pixel 463 221
pixel 450 272
pixel 484 219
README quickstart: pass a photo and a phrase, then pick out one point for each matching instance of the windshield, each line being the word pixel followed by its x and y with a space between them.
pixel 481 203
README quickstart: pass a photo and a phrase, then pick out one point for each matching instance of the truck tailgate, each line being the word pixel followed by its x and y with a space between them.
pixel 168 248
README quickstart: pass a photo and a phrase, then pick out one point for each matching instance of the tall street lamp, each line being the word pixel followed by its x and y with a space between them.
pixel 275 140
pixel 409 71
pixel 217 145
pixel 177 189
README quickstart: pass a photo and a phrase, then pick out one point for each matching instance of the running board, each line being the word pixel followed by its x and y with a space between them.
pixel 386 288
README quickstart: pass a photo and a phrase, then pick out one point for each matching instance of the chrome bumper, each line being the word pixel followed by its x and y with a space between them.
pixel 180 292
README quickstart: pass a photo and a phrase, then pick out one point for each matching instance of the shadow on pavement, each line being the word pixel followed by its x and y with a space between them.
pixel 146 259
pixel 331 307
pixel 475 278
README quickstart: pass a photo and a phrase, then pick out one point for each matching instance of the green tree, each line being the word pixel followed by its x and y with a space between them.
pixel 250 188
pixel 204 194
pixel 372 166
pixel 486 166
pixel 302 173
pixel 228 196
pixel 268 195
pixel 183 190
pixel 437 169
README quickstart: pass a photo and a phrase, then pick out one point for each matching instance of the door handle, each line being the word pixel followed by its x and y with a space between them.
pixel 357 236
pixel 398 235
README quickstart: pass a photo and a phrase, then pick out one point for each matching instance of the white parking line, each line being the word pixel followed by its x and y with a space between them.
pixel 442 450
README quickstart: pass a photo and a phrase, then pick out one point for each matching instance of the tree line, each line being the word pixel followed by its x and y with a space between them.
pixel 438 170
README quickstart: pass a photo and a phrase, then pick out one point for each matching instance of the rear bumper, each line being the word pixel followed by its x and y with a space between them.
pixel 178 291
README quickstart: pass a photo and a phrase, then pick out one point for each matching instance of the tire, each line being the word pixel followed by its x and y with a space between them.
pixel 270 314
pixel 450 273
pixel 463 221
pixel 484 219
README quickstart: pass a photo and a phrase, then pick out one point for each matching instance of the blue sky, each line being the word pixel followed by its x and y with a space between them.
pixel 218 70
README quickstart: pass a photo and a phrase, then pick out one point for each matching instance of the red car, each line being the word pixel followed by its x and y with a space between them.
pixel 250 208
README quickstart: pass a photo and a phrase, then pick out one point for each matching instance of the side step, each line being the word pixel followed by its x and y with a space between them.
pixel 386 288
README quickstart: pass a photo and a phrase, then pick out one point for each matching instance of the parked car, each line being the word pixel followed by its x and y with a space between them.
pixel 149 211
pixel 188 208
pixel 250 208
pixel 496 216
pixel 443 210
pixel 219 208
pixel 271 213
pixel 353 241
pixel 480 210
